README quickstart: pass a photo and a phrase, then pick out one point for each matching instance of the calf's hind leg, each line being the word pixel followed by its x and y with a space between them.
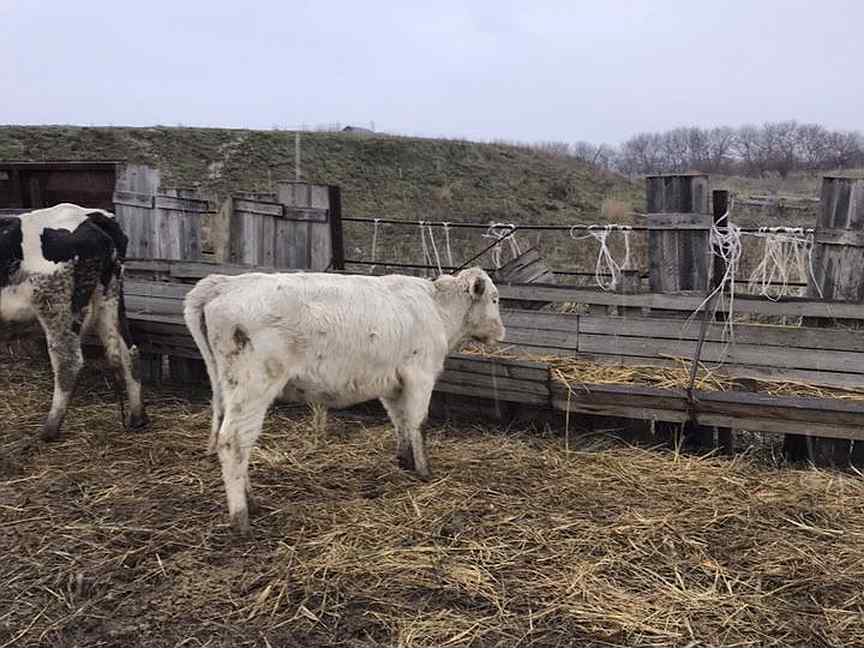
pixel 245 404
pixel 123 361
pixel 64 348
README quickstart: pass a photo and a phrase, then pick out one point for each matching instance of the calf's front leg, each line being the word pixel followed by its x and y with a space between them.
pixel 407 411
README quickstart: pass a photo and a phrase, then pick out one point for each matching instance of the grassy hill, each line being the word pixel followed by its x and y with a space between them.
pixel 380 175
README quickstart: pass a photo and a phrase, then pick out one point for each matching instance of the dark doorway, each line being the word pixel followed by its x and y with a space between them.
pixel 32 185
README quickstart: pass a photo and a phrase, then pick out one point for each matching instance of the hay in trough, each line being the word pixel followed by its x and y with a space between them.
pixel 574 371
pixel 121 539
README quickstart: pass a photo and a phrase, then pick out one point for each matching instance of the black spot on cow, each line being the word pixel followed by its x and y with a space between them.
pixel 241 338
pixel 99 238
pixel 112 229
pixel 11 252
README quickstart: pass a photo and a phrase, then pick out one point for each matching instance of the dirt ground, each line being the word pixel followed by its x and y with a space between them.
pixel 113 539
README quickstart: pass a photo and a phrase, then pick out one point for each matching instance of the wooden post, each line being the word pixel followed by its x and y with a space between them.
pixel 336 239
pixel 719 206
pixel 838 269
pixel 678 260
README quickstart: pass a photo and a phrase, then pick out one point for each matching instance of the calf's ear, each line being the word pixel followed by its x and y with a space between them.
pixel 478 287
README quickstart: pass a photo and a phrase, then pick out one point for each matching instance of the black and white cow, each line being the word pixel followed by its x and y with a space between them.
pixel 61 268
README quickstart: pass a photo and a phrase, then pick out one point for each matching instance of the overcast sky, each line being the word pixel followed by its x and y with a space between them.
pixel 600 71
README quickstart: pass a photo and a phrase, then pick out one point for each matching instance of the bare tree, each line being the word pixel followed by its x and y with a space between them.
pixel 813 146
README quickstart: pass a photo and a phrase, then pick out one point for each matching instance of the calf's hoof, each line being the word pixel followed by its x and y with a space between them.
pixel 240 524
pixel 139 422
pixel 405 460
pixel 252 505
pixel 50 432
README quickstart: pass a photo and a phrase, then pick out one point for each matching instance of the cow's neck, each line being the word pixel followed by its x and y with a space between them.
pixel 453 308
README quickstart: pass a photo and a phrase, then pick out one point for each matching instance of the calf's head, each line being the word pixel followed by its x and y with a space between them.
pixel 483 318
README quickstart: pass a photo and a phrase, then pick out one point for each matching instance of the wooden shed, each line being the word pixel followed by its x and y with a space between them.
pixel 31 185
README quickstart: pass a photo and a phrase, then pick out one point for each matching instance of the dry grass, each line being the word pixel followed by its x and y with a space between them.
pixel 111 538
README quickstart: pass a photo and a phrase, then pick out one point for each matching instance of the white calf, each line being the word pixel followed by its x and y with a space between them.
pixel 330 339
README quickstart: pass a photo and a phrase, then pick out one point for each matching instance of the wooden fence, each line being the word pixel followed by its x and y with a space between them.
pixel 772 353
pixel 627 327
pixel 297 226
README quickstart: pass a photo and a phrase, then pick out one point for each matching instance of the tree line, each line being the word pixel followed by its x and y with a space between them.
pixel 776 147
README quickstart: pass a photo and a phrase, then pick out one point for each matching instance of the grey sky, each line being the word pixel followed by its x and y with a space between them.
pixel 528 71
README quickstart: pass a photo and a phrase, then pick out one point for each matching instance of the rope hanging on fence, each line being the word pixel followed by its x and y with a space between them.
pixel 447 244
pixel 502 232
pixel 626 264
pixel 606 264
pixel 725 242
pixel 374 246
pixel 430 250
pixel 785 250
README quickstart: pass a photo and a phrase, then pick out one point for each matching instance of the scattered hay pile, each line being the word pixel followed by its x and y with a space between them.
pixel 115 539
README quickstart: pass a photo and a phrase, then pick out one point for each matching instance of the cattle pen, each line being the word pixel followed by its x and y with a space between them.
pixel 552 521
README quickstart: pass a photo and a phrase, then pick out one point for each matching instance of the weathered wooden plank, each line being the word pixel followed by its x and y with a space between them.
pixel 755 412
pixel 792 307
pixel 840 237
pixel 257 207
pixel 505 395
pixel 494 383
pixel 541 320
pixel 506 362
pixel 562 340
pixel 814 360
pixel 266 253
pixel 804 408
pixel 186 204
pixel 137 307
pixel 236 233
pixel 759 334
pixel 320 244
pixel 755 424
pixel 641 396
pixel 754 334
pixel 530 371
pixel 156 289
pixel 134 199
pixel 295 234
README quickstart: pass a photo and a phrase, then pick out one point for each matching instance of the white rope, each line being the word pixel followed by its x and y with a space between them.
pixel 434 249
pixel 427 259
pixel 606 264
pixel 725 244
pixel 786 252
pixel 374 246
pixel 447 244
pixel 502 232
pixel 627 264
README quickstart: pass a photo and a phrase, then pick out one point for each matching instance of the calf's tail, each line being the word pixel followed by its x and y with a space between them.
pixel 196 321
